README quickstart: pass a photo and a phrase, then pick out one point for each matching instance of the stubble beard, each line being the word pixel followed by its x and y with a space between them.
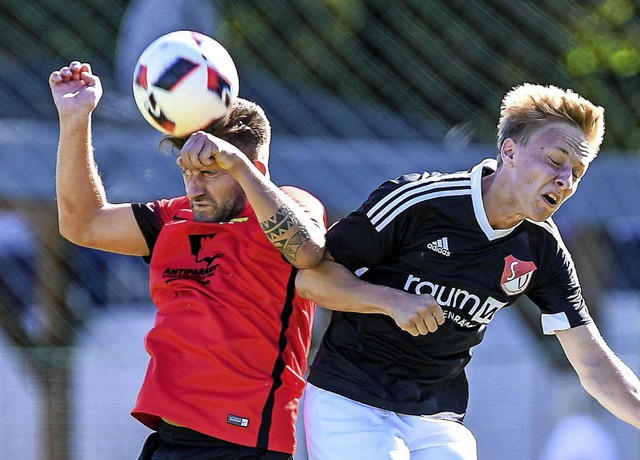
pixel 218 211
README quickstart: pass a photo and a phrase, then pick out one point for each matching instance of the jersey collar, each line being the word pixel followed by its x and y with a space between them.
pixel 478 171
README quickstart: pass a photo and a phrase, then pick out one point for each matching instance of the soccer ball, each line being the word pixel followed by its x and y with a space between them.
pixel 183 82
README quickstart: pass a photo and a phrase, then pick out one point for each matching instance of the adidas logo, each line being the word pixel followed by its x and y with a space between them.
pixel 441 246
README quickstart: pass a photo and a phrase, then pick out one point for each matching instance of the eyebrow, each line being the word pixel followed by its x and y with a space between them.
pixel 582 151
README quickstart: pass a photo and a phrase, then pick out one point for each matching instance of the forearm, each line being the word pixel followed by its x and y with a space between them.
pixel 602 374
pixel 614 385
pixel 79 189
pixel 287 225
pixel 334 287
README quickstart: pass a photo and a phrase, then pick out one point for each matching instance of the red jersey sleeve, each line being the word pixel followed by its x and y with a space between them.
pixel 153 215
pixel 309 203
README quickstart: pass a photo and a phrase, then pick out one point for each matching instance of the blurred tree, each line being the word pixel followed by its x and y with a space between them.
pixel 605 60
pixel 446 61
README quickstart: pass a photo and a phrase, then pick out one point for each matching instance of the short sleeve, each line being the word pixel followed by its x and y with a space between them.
pixel 153 215
pixel 149 222
pixel 374 231
pixel 309 203
pixel 558 295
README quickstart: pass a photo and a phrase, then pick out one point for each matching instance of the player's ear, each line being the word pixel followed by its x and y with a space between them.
pixel 507 150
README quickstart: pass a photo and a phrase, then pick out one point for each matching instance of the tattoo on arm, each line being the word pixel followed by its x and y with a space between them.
pixel 285 233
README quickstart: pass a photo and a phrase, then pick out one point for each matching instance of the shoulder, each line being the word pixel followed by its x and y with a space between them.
pixel 415 191
pixel 299 195
pixel 546 231
pixel 173 205
pixel 166 209
pixel 547 238
pixel 180 202
pixel 416 183
pixel 306 200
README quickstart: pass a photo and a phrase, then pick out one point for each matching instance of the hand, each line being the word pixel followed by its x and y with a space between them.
pixel 417 314
pixel 75 90
pixel 203 150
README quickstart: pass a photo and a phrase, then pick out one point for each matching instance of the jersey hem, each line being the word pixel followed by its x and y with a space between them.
pixel 341 387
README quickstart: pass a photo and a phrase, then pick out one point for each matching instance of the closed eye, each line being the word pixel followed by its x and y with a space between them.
pixel 209 174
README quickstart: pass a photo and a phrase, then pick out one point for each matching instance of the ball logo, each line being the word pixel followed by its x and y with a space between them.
pixel 516 275
pixel 175 73
pixel 156 113
pixel 219 85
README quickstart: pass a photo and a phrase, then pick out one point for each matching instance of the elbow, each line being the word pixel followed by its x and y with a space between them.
pixel 590 376
pixel 303 283
pixel 72 237
pixel 66 231
pixel 589 385
pixel 308 259
pixel 307 256
pixel 72 233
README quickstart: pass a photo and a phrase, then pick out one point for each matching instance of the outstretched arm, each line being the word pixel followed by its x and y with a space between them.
pixel 602 374
pixel 334 287
pixel 293 220
pixel 85 216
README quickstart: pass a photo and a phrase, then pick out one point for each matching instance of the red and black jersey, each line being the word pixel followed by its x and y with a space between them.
pixel 231 338
pixel 427 233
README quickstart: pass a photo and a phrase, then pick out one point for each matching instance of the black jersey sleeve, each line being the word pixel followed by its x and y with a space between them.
pixel 558 294
pixel 377 229
pixel 149 222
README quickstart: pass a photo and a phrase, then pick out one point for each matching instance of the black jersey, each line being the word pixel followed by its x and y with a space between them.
pixel 428 234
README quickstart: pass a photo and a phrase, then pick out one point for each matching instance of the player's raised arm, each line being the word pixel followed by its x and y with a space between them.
pixel 292 219
pixel 85 216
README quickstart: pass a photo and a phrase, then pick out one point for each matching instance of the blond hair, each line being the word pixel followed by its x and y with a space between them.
pixel 528 107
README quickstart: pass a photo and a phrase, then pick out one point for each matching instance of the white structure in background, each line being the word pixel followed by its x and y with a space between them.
pixel 580 437
pixel 146 20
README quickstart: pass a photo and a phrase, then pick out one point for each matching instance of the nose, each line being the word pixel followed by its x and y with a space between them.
pixel 564 179
pixel 195 186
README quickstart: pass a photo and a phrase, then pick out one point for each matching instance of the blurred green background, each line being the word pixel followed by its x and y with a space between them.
pixel 445 62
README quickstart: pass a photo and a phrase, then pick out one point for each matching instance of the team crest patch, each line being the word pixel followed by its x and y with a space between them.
pixel 516 275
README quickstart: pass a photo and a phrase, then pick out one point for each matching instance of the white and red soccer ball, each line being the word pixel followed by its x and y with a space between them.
pixel 183 82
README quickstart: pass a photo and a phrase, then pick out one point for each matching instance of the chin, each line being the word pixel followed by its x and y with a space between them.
pixel 542 216
pixel 199 216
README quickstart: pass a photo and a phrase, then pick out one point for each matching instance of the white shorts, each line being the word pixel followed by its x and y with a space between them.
pixel 338 428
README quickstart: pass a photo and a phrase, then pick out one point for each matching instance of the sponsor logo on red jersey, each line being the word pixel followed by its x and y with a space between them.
pixel 204 253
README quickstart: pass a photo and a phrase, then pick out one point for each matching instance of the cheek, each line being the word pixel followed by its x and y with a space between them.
pixel 224 188
pixel 540 175
pixel 525 182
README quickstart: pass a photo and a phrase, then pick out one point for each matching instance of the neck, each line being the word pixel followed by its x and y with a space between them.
pixel 500 207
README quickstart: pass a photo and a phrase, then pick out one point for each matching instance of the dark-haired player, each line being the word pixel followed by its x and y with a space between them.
pixel 230 342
